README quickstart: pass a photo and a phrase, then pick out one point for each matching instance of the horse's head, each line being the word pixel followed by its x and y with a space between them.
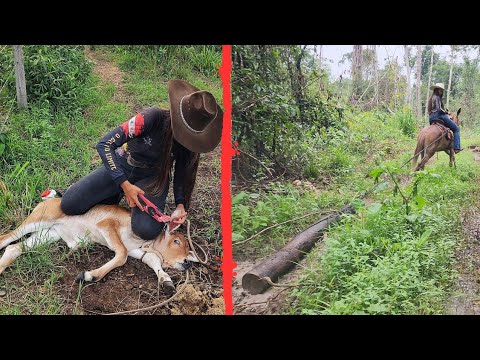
pixel 454 116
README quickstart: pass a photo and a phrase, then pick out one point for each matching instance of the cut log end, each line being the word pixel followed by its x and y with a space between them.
pixel 253 284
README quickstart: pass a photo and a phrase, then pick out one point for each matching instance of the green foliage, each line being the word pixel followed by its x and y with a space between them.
pixel 55 75
pixel 150 67
pixel 407 122
pixel 3 144
pixel 468 100
pixel 385 260
pixel 171 60
pixel 273 107
pixel 410 193
pixel 38 144
pixel 252 212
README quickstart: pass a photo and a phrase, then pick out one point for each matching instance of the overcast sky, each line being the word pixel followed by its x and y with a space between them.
pixel 334 53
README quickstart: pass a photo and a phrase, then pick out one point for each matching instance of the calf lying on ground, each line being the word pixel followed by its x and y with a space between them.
pixel 108 225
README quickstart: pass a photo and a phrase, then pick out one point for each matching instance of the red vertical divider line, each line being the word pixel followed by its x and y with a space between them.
pixel 226 175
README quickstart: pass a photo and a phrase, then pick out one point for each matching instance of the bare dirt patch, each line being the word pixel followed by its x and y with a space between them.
pixel 110 73
pixel 134 286
pixel 272 301
pixel 466 295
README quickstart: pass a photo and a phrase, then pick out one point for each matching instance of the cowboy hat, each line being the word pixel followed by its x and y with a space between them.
pixel 437 86
pixel 196 117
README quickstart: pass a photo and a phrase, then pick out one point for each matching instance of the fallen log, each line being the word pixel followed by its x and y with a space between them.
pixel 285 259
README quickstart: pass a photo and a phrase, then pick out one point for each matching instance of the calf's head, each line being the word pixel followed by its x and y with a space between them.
pixel 175 250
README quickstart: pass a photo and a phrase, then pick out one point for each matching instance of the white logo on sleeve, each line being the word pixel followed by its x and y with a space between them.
pixel 131 127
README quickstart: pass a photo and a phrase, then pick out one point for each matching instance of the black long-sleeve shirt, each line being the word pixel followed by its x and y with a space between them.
pixel 437 104
pixel 145 133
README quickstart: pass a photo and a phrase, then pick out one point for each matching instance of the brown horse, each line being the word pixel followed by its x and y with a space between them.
pixel 432 139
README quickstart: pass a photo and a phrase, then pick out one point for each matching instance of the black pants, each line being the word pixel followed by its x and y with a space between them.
pixel 99 188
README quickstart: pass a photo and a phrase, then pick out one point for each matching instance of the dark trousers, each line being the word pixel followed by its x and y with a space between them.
pixel 99 188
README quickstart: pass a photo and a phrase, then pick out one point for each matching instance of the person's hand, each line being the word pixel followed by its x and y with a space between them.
pixel 179 215
pixel 131 194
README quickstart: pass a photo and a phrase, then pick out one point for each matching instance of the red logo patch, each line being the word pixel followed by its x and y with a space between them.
pixel 124 127
pixel 139 123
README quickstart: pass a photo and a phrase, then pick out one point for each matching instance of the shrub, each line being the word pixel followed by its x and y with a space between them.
pixel 55 75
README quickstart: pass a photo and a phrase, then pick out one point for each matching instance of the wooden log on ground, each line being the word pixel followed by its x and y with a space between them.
pixel 285 259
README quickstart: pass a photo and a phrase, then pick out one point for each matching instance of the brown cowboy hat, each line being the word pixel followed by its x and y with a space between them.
pixel 196 117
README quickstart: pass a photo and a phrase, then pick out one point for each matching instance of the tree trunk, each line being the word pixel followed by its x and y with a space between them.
pixel 428 85
pixel 297 79
pixel 450 76
pixel 320 54
pixel 20 77
pixel 419 81
pixel 377 82
pixel 356 71
pixel 320 63
pixel 282 261
pixel 408 90
pixel 395 70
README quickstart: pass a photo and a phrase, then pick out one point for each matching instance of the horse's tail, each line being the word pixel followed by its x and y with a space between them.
pixel 420 149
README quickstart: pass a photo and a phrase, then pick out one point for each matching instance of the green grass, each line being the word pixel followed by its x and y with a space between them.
pixel 380 260
pixel 36 270
pixel 52 150
pixel 147 76
pixel 383 261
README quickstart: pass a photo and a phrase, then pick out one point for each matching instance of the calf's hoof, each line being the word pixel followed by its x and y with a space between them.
pixel 169 287
pixel 80 277
pixel 85 276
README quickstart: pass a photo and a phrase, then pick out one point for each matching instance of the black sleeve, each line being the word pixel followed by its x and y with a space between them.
pixel 181 157
pixel 137 125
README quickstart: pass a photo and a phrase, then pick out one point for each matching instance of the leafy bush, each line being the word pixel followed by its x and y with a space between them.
pixel 407 122
pixel 274 110
pixel 170 59
pixel 55 75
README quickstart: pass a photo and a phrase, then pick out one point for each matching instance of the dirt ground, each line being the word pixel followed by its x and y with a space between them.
pixel 111 73
pixel 134 286
pixel 466 296
pixel 272 301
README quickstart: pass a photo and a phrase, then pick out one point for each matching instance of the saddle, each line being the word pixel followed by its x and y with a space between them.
pixel 445 130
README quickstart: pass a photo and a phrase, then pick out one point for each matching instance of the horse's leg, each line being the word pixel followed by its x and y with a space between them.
pixel 427 156
pixel 452 159
pixel 418 151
